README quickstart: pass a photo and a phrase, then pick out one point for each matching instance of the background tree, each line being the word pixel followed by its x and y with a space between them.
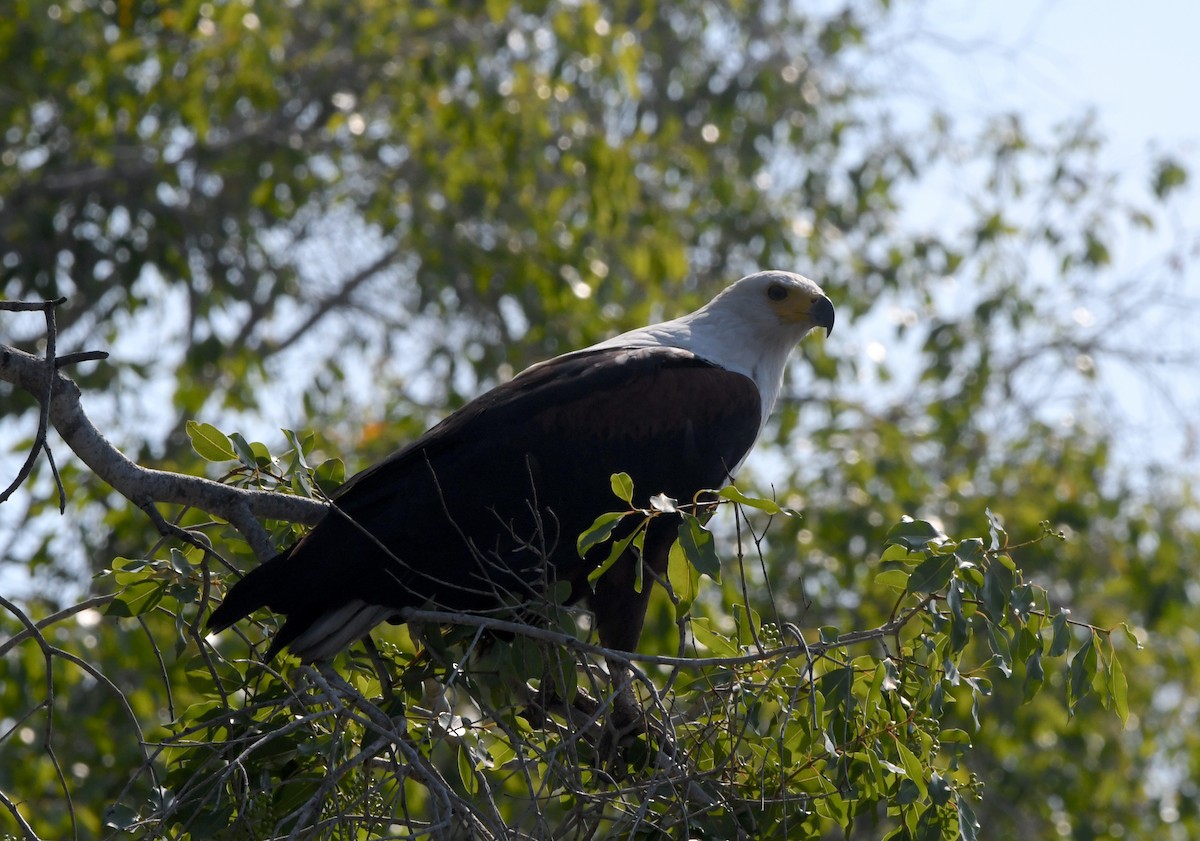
pixel 313 215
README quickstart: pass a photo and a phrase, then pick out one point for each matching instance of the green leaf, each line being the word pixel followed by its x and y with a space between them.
pixel 127 571
pixel 955 735
pixel 466 771
pixel 939 789
pixel 969 553
pixel 893 579
pixel 837 686
pixel 968 824
pixel 891 676
pixel 950 670
pixel 907 793
pixel 717 643
pixel 684 579
pixel 618 549
pixel 1022 601
pixel 699 546
pixel 262 456
pixel 245 452
pixel 912 766
pixel 210 443
pixel 1118 689
pixel 1130 635
pixel 912 534
pixel 997 589
pixel 770 506
pixel 180 562
pixel 136 599
pixel 300 480
pixel 622 486
pixel 1001 648
pixel 121 817
pixel 639 569
pixel 1061 640
pixel 996 531
pixel 896 552
pixel 297 446
pixel 599 531
pixel 932 574
pixel 330 474
pixel 1082 672
pixel 937 699
pixel 960 632
pixel 1169 176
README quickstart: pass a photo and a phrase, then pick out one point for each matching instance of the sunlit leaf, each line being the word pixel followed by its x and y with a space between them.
pixel 734 495
pixel 210 443
pixel 932 575
pixel 599 531
pixel 663 504
pixel 622 487
pixel 699 546
pixel 912 534
pixel 894 579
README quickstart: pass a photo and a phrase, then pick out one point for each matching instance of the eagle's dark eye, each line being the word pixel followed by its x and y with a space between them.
pixel 777 292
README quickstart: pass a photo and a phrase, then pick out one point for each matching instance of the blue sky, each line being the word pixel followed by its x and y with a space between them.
pixel 1137 63
pixel 1137 66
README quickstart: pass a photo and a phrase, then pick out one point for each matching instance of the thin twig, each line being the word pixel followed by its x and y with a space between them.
pixel 26 829
pixel 65 613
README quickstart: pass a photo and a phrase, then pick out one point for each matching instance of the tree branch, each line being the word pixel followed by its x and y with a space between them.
pixel 143 486
pixel 338 299
pixel 39 442
pixel 558 638
pixel 42 624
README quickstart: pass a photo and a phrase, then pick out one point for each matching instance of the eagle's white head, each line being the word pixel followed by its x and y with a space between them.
pixel 750 327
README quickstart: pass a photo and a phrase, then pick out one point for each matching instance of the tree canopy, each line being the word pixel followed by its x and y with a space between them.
pixel 944 600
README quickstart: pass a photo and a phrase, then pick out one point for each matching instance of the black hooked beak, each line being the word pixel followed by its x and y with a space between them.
pixel 821 312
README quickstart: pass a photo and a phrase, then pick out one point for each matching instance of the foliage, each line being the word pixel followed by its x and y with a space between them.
pixel 753 728
pixel 351 219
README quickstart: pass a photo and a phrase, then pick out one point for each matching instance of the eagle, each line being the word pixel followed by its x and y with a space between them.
pixel 486 508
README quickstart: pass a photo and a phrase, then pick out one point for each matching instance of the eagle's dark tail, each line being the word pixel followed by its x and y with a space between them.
pixel 314 627
pixel 257 588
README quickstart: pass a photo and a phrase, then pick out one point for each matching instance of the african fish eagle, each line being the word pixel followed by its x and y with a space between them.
pixel 486 507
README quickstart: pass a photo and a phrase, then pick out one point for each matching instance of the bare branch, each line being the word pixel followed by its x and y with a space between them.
pixel 28 306
pixel 338 299
pixel 39 441
pixel 81 356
